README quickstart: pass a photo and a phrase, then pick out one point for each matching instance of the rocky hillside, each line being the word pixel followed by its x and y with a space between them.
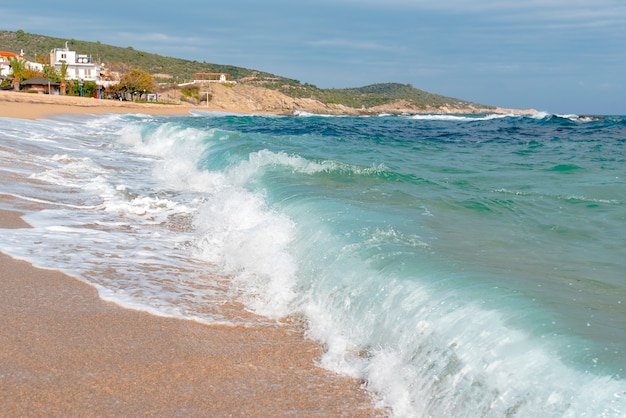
pixel 254 99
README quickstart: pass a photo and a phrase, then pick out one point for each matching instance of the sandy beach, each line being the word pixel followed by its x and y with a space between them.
pixel 66 352
pixel 36 106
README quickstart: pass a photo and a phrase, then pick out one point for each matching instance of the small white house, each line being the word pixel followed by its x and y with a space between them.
pixel 79 66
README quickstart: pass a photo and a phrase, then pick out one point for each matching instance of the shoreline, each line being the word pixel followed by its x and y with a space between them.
pixel 65 351
pixel 37 106
pixel 240 100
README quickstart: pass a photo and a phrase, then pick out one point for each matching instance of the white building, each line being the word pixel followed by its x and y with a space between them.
pixel 79 66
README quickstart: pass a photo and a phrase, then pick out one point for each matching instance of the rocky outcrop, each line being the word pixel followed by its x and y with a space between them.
pixel 252 99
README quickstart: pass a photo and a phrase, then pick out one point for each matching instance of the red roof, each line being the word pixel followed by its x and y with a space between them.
pixel 7 54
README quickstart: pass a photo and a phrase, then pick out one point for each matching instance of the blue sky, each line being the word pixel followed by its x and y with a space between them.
pixel 559 56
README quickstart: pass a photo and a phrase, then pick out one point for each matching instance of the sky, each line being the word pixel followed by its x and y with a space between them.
pixel 557 56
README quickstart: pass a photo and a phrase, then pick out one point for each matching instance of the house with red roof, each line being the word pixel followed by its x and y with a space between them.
pixel 5 67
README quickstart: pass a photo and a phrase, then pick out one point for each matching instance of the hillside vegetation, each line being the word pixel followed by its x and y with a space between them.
pixel 175 70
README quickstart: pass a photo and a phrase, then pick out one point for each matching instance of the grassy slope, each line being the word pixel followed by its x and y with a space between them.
pixel 37 47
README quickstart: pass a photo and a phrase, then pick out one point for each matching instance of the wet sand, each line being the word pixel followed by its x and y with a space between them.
pixel 65 352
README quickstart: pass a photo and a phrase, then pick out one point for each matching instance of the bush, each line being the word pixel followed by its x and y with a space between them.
pixel 191 92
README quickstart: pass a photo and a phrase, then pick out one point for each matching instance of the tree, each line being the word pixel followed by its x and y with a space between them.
pixel 42 59
pixel 59 76
pixel 63 75
pixel 50 73
pixel 136 81
pixel 18 66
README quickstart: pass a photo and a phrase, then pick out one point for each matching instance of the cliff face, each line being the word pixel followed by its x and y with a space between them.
pixel 253 99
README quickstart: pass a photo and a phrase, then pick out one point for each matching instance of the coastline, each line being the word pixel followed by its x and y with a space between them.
pixel 242 99
pixel 37 106
pixel 64 351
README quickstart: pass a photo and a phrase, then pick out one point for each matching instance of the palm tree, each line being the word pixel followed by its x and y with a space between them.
pixel 18 66
pixel 63 74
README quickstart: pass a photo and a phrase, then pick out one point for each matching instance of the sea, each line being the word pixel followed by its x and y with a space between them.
pixel 459 265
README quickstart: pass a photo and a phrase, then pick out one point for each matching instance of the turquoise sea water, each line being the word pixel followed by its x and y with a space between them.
pixel 461 265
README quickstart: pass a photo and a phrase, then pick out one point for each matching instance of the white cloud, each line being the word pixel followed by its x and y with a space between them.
pixel 559 10
pixel 156 37
pixel 347 43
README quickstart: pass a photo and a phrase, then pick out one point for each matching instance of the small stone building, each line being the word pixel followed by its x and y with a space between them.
pixel 40 85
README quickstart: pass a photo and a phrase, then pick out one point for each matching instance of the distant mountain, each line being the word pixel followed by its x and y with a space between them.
pixel 175 70
pixel 384 93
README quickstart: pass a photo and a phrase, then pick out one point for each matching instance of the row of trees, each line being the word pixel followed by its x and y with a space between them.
pixel 22 71
pixel 136 81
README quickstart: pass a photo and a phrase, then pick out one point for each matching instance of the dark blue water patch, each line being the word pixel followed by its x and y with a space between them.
pixel 374 131
pixel 565 168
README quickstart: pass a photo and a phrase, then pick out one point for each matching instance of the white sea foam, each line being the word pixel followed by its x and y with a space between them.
pixel 540 115
pixel 249 242
pixel 109 229
pixel 304 114
pixel 460 118
pixel 235 230
pixel 570 116
pixel 218 114
pixel 456 351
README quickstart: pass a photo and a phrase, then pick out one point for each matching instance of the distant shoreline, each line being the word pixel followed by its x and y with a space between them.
pixel 242 99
